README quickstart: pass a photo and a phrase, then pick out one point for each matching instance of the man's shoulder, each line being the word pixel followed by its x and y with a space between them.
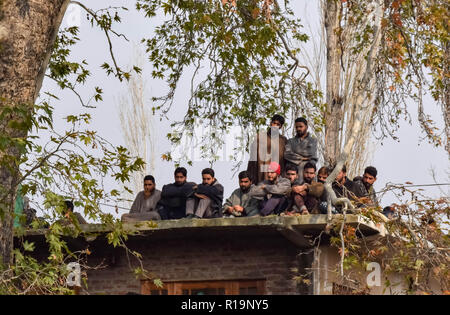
pixel 283 180
pixel 157 192
pixel 140 194
pixel 238 191
pixel 311 138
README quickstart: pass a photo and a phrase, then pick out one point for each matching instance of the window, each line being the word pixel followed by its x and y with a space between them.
pixel 235 287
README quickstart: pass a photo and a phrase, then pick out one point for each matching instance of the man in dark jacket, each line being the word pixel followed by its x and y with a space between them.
pixel 207 199
pixel 174 196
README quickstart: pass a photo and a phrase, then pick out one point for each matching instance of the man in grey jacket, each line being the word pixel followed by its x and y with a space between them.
pixel 144 206
pixel 272 192
pixel 302 148
pixel 240 202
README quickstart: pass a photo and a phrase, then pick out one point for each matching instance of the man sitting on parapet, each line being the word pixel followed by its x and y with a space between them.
pixel 344 187
pixel 302 148
pixel 70 214
pixel 272 192
pixel 363 187
pixel 241 203
pixel 305 194
pixel 207 199
pixel 174 196
pixel 144 205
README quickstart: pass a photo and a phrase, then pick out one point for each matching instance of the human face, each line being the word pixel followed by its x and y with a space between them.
pixel 149 187
pixel 179 178
pixel 245 183
pixel 300 128
pixel 276 124
pixel 272 176
pixel 207 179
pixel 309 174
pixel 322 177
pixel 340 177
pixel 368 179
pixel 291 175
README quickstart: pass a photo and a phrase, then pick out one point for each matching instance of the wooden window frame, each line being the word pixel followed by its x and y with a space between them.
pixel 232 287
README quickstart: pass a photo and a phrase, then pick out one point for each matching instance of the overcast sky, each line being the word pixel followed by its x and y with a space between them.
pixel 409 159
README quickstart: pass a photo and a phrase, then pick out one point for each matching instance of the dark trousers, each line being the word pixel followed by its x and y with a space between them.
pixel 274 205
pixel 169 213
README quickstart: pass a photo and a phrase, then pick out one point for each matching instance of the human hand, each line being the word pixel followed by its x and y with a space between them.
pixel 201 196
pixel 238 208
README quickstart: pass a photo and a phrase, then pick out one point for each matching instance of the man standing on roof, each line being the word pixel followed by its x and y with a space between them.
pixel 267 147
pixel 302 148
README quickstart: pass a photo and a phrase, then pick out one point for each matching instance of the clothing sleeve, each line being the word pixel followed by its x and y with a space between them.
pixel 252 207
pixel 80 218
pixel 228 202
pixel 168 191
pixel 358 189
pixel 135 207
pixel 290 155
pixel 252 166
pixel 281 188
pixel 316 189
pixel 214 192
pixel 258 191
pixel 313 151
pixel 155 200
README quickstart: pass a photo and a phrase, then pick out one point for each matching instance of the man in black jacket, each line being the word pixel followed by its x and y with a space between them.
pixel 207 199
pixel 174 196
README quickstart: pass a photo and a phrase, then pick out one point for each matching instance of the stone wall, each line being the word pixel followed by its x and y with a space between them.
pixel 199 257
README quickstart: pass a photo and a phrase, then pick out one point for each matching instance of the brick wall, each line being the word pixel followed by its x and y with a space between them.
pixel 192 256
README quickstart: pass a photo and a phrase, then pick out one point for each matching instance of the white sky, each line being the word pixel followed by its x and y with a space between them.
pixel 407 160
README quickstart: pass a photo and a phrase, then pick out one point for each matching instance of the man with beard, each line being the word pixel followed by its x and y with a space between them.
pixel 174 196
pixel 240 203
pixel 272 192
pixel 364 187
pixel 305 194
pixel 207 199
pixel 267 147
pixel 302 148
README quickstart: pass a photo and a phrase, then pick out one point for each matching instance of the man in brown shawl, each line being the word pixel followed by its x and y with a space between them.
pixel 267 147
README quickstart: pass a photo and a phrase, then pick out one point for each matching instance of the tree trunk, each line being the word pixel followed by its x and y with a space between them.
pixel 333 114
pixel 28 29
pixel 446 103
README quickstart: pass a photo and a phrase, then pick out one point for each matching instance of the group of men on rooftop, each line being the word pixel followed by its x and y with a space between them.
pixel 279 180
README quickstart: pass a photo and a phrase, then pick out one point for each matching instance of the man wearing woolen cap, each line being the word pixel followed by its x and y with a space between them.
pixel 272 191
